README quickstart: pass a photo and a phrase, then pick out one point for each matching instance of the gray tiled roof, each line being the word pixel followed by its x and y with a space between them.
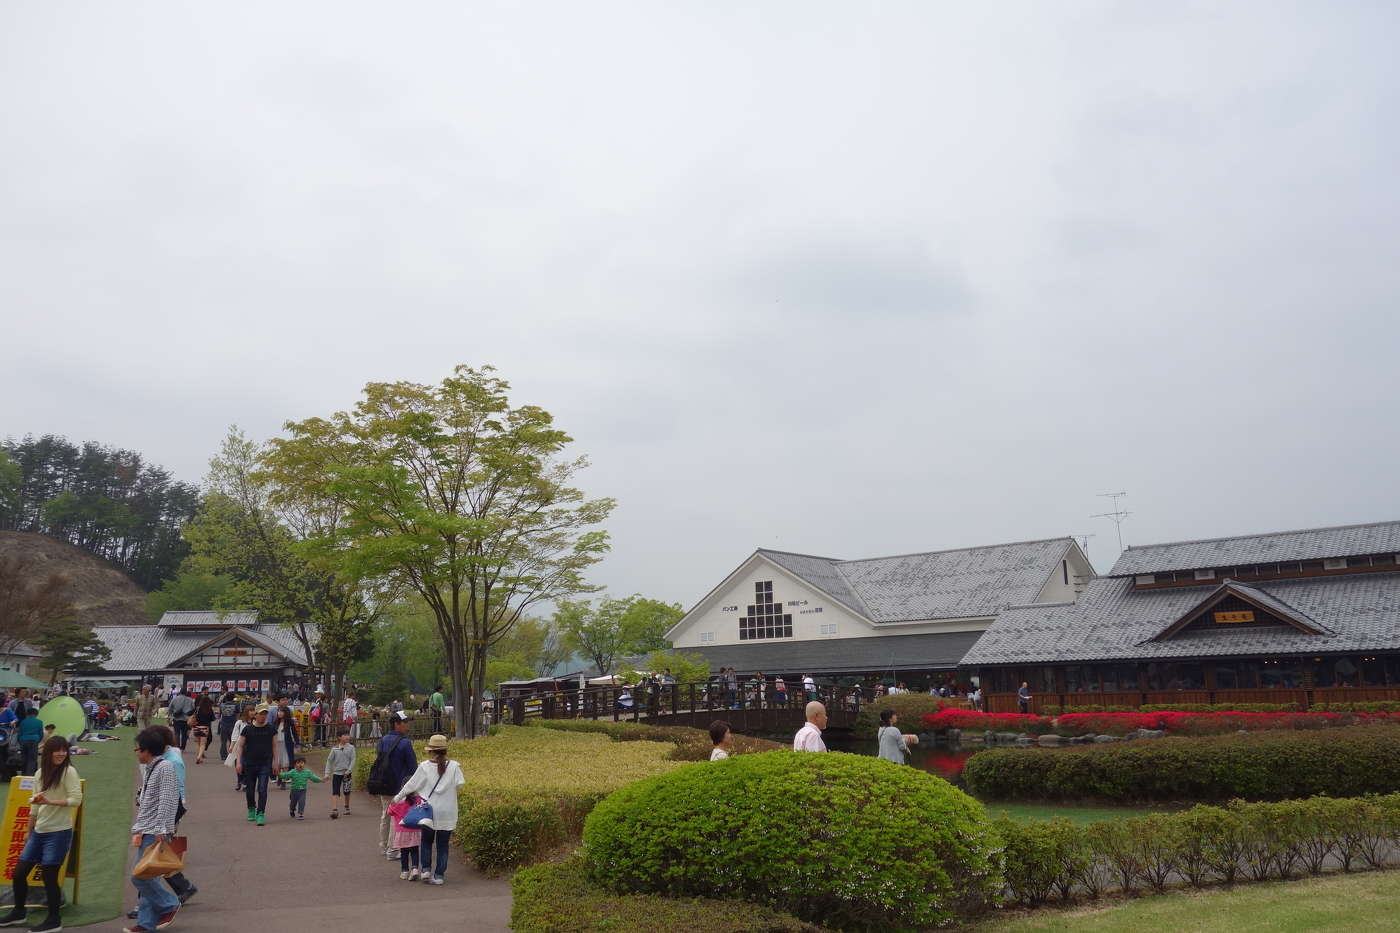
pixel 957 584
pixel 1308 544
pixel 940 651
pixel 152 648
pixel 208 618
pixel 1113 621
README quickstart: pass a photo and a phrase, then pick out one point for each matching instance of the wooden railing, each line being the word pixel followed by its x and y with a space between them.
pixel 660 703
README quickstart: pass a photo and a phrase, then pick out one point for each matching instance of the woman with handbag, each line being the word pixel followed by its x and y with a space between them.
pixel 51 812
pixel 204 717
pixel 156 806
pixel 436 781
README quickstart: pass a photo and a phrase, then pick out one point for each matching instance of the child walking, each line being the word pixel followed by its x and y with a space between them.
pixel 298 777
pixel 406 840
pixel 340 765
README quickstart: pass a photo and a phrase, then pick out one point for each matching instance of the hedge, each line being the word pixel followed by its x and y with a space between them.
pixel 559 898
pixel 1377 706
pixel 849 841
pixel 1054 710
pixel 690 744
pixel 911 707
pixel 1199 846
pixel 1275 765
pixel 1120 724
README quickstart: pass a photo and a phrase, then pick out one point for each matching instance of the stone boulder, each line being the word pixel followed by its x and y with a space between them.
pixel 1050 740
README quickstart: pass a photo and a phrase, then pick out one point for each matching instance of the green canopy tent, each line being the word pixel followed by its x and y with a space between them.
pixel 9 680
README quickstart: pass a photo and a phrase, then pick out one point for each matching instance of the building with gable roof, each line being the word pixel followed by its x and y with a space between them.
pixel 911 616
pixel 1305 616
pixel 210 650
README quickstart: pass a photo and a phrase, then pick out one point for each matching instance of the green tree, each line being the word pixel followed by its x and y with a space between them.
pixel 685 668
pixel 188 589
pixel 11 483
pixel 463 498
pixel 68 646
pixel 258 525
pixel 615 628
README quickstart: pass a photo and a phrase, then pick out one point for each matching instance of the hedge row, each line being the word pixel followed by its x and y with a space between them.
pixel 559 898
pixel 690 744
pixel 1276 765
pixel 1205 844
pixel 1119 724
pixel 1378 706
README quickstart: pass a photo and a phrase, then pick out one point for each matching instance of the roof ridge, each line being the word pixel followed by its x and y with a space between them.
pixel 770 550
pixel 1260 534
pixel 953 550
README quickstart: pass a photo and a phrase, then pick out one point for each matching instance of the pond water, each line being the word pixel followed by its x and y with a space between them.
pixel 943 760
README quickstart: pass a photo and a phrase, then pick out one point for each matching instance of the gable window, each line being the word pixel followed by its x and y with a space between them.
pixel 706 637
pixel 828 628
pixel 765 618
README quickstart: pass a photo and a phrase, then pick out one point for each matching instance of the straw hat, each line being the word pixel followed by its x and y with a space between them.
pixel 262 708
pixel 436 743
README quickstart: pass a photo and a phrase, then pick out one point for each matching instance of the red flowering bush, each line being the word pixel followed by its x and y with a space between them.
pixel 1106 723
pixel 988 722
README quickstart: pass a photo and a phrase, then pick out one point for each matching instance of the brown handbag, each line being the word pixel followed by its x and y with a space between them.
pixel 158 861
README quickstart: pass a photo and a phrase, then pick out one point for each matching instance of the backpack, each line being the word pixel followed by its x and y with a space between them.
pixel 228 712
pixel 381 780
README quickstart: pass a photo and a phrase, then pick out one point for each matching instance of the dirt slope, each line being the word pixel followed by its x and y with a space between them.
pixel 103 594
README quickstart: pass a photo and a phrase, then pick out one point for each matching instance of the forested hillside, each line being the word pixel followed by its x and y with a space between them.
pixel 107 501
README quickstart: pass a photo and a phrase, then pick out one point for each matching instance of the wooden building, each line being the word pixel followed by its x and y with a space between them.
pixel 1309 616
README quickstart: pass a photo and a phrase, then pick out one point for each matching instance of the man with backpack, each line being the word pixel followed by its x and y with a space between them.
pixel 228 715
pixel 180 710
pixel 394 764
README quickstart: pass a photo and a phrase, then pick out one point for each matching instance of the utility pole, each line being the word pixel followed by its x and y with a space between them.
pixel 1117 514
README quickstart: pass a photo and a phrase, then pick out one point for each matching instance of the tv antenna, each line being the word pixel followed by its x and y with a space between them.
pixel 1117 514
pixel 1084 542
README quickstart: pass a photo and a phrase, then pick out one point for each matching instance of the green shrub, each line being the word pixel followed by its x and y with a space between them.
pixel 911 707
pixel 1053 710
pixel 690 744
pixel 1377 706
pixel 559 898
pixel 850 841
pixel 1041 858
pixel 1260 766
pixel 504 832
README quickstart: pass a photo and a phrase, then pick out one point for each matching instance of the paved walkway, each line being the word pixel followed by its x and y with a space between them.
pixel 314 875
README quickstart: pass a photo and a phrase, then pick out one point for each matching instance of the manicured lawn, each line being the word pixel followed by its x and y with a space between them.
pixel 1033 811
pixel 1341 903
pixel 110 773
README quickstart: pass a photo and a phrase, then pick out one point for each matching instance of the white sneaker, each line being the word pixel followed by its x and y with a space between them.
pixel 435 879
pixel 413 874
pixel 403 876
pixel 391 854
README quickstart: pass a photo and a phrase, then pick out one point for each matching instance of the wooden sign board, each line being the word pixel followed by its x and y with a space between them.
pixel 1240 615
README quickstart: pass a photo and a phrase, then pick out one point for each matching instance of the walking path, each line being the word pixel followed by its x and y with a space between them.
pixel 295 876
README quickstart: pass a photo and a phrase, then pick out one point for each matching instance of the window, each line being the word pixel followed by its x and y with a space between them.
pixel 828 628
pixel 765 617
pixel 706 637
pixel 1144 579
pixel 1205 574
pixel 1064 568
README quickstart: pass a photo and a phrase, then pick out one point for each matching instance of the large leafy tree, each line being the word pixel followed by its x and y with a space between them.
pixel 460 496
pixel 270 538
pixel 615 628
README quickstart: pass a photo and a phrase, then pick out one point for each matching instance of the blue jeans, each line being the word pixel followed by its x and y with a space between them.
pixel 47 848
pixel 154 899
pixel 255 781
pixel 296 801
pixel 425 849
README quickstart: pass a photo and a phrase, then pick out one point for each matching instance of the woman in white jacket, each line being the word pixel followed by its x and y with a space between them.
pixel 436 781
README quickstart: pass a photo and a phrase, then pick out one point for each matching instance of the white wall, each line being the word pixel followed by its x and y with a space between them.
pixel 810 610
pixel 1056 590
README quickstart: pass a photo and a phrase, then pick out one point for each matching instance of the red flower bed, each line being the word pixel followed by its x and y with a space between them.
pixel 1107 723
pixel 990 722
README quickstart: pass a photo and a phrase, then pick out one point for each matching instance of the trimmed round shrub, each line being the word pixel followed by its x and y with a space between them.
pixel 845 841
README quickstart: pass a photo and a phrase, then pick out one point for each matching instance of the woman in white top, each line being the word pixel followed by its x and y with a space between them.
pixel 723 739
pixel 436 781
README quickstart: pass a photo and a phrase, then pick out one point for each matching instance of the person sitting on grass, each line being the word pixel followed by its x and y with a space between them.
pixel 298 776
pixel 723 738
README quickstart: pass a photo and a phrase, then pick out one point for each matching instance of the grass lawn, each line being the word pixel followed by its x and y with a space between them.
pixel 110 774
pixel 1317 905
pixel 1022 812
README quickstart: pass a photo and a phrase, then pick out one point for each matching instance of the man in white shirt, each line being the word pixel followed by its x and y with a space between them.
pixel 349 713
pixel 809 737
pixel 809 686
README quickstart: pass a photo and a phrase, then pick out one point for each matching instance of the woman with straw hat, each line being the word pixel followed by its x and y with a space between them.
pixel 436 781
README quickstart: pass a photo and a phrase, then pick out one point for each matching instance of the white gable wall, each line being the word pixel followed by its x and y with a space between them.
pixel 719 613
pixel 1056 590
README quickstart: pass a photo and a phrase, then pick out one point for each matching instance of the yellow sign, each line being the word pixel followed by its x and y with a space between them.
pixel 15 830
pixel 1242 615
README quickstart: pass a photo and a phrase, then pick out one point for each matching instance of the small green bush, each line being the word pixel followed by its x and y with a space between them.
pixel 911 707
pixel 1377 706
pixel 1053 710
pixel 845 840
pixel 1041 858
pixel 559 898
pixel 1276 765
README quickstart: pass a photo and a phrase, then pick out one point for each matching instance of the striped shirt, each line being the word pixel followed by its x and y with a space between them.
pixel 158 799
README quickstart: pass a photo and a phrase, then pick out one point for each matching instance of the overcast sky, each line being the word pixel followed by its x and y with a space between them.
pixel 839 278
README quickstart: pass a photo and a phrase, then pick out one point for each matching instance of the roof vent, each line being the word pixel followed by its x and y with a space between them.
pixel 1334 563
pixel 1205 574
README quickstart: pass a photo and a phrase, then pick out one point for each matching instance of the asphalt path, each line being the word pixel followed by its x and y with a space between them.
pixel 312 875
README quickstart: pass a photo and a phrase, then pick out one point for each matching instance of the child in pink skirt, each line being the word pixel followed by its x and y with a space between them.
pixel 405 840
